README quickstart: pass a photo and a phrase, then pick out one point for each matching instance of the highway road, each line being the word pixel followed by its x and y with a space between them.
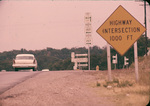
pixel 10 79
pixel 53 88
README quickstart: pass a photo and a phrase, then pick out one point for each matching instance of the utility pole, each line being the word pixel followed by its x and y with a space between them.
pixel 146 42
pixel 89 56
pixel 146 28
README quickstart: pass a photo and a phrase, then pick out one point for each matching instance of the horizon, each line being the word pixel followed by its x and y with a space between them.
pixel 53 48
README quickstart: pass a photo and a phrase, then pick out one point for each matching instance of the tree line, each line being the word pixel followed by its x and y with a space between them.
pixel 60 59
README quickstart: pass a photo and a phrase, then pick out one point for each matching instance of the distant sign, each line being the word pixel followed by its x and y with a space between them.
pixel 87 17
pixel 88 28
pixel 121 30
pixel 80 60
pixel 88 39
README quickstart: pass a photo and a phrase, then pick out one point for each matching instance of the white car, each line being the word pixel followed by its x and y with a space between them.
pixel 25 61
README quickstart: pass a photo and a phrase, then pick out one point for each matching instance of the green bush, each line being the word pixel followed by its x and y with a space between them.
pixel 115 80
pixel 98 84
pixel 125 83
pixel 117 83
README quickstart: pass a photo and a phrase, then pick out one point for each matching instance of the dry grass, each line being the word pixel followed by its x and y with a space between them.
pixel 125 90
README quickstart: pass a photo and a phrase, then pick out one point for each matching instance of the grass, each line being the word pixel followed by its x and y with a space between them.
pixel 144 71
pixel 125 90
pixel 125 83
pixel 117 83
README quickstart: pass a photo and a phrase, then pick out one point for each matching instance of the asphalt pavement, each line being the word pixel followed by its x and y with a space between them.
pixel 56 88
pixel 10 79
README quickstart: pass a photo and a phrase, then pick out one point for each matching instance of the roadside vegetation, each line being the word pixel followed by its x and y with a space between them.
pixel 123 89
pixel 60 59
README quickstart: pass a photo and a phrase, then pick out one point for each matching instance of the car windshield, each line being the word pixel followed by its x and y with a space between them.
pixel 24 57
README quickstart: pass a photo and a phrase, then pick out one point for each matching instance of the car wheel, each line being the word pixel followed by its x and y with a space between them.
pixel 34 69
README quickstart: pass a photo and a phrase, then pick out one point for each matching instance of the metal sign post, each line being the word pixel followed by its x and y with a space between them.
pixel 136 62
pixel 109 62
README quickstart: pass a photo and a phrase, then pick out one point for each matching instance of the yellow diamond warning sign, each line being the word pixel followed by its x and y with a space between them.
pixel 121 30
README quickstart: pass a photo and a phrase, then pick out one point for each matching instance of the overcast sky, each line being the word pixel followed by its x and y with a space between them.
pixel 37 24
